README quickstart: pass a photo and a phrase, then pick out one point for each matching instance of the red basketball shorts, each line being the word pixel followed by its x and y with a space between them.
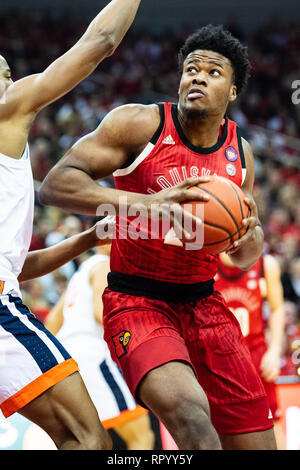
pixel 143 334
pixel 257 353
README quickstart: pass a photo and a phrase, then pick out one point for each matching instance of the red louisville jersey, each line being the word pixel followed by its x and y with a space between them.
pixel 168 159
pixel 243 294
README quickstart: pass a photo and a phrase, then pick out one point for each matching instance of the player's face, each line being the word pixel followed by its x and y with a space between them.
pixel 5 76
pixel 206 85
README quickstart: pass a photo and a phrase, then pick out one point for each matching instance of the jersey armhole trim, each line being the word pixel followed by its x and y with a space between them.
pixel 149 147
pixel 262 268
pixel 156 136
pixel 241 152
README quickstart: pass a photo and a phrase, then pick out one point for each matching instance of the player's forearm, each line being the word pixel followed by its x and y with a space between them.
pixel 276 329
pixel 41 262
pixel 112 22
pixel 249 253
pixel 74 191
pixel 98 42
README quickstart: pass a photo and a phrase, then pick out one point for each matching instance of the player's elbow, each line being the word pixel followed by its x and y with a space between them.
pixel 99 46
pixel 48 191
pixel 106 42
pixel 44 194
pixel 110 43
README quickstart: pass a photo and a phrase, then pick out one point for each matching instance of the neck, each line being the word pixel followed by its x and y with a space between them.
pixel 200 130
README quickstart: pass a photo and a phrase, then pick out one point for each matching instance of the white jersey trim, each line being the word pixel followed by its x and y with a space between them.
pixel 126 171
pixel 11 161
pixel 244 172
pixel 40 333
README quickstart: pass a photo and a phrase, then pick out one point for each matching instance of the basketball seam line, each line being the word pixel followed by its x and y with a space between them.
pixel 223 205
pixel 237 195
pixel 224 239
pixel 217 226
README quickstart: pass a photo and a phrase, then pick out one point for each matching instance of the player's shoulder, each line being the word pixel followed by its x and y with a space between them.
pixel 14 99
pixel 134 114
pixel 133 124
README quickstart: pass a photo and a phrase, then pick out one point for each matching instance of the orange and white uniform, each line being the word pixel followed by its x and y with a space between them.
pixel 82 335
pixel 31 359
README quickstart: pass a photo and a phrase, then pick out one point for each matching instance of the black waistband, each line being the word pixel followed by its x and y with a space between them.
pixel 159 290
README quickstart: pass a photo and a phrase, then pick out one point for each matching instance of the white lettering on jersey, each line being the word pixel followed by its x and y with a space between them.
pixel 177 175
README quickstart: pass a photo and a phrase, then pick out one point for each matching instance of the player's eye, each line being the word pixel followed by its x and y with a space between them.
pixel 215 72
pixel 192 69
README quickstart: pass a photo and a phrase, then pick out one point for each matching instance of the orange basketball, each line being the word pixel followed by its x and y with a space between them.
pixel 222 215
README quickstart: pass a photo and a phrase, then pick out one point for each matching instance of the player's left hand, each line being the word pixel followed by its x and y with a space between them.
pixel 104 230
pixel 270 365
pixel 250 223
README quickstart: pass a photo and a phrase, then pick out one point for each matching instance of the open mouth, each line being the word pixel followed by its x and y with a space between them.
pixel 195 93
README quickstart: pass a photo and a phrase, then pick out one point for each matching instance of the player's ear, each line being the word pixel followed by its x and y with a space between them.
pixel 233 93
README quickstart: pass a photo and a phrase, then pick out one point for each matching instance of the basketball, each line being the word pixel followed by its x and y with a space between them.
pixel 222 215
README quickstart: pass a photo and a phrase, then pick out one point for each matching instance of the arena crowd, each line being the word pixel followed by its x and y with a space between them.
pixel 144 69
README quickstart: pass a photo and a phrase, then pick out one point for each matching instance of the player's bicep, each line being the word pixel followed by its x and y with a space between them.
pixel 123 133
pixel 64 74
pixel 99 153
pixel 92 156
pixel 120 134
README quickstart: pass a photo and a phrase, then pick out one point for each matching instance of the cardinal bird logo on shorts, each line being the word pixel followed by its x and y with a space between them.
pixel 121 341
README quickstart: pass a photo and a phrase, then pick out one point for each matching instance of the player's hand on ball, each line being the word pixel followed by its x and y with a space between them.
pixel 250 223
pixel 168 206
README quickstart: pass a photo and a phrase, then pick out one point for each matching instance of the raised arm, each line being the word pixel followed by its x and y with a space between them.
pixel 101 38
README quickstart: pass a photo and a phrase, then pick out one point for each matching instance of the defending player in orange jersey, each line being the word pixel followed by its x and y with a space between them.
pixel 38 378
pixel 244 293
pixel 184 357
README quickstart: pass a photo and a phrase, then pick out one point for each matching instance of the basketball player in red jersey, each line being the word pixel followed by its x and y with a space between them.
pixel 180 348
pixel 244 293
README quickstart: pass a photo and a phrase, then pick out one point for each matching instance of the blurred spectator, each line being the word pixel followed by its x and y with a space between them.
pixel 291 341
pixel 291 282
pixel 35 298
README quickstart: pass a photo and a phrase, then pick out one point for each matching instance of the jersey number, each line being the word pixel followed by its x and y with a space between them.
pixel 242 316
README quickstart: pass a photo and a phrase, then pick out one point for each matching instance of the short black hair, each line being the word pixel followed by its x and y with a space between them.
pixel 216 39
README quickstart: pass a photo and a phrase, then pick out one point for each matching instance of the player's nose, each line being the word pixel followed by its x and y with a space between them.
pixel 200 79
